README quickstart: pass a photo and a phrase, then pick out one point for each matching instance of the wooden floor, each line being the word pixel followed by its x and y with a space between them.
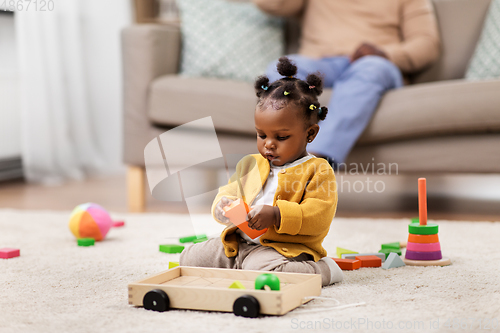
pixel 111 193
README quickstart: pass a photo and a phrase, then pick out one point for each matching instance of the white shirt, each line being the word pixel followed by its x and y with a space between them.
pixel 266 195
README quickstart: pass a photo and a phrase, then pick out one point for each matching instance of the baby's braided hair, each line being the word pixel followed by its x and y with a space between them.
pixel 289 89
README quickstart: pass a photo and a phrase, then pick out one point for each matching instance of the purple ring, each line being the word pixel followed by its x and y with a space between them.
pixel 415 255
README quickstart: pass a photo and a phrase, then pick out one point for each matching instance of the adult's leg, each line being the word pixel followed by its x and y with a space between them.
pixel 329 68
pixel 356 94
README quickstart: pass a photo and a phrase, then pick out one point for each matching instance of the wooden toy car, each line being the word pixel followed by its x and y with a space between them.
pixel 208 289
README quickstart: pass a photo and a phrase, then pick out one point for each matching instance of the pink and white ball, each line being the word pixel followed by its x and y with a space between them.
pixel 90 220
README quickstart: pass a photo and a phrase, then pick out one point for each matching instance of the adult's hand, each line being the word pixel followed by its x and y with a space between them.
pixel 367 49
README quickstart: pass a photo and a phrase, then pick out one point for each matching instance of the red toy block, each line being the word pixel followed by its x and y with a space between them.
pixel 237 212
pixel 117 224
pixel 370 261
pixel 7 253
pixel 348 264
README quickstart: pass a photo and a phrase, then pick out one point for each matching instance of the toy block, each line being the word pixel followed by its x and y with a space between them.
pixel 237 213
pixel 394 245
pixel 172 264
pixel 7 253
pixel 423 238
pixel 415 255
pixel 348 264
pixel 353 256
pixel 341 251
pixel 190 239
pixel 237 285
pixel 370 261
pixel 171 248
pixel 415 220
pixel 393 261
pixel 389 251
pixel 86 241
pixel 424 247
pixel 418 229
pixel 199 240
pixel 117 224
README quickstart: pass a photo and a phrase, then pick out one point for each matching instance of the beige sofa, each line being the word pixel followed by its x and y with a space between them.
pixel 439 123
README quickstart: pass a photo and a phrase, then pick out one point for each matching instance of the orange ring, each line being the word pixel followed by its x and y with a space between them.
pixel 423 238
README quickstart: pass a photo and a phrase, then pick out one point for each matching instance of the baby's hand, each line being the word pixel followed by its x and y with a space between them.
pixel 219 212
pixel 264 216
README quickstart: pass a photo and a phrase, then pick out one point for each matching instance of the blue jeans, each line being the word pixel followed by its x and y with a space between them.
pixel 358 87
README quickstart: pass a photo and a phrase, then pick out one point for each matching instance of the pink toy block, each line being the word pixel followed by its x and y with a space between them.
pixel 7 253
pixel 423 247
pixel 118 224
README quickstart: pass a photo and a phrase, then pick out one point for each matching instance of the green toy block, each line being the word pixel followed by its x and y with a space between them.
pixel 415 220
pixel 189 239
pixel 172 264
pixel 237 285
pixel 389 251
pixel 393 261
pixel 394 245
pixel 86 241
pixel 341 251
pixel 171 248
pixel 199 240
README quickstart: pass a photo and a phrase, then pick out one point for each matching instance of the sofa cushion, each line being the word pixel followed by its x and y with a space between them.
pixel 175 100
pixel 485 63
pixel 228 39
pixel 440 108
pixel 423 110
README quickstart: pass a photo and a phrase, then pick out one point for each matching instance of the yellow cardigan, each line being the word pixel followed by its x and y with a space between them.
pixel 307 199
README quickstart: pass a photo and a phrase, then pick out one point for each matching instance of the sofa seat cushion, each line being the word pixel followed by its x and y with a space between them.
pixel 176 100
pixel 423 110
pixel 431 109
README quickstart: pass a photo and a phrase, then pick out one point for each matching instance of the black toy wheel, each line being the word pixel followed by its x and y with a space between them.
pixel 156 300
pixel 246 306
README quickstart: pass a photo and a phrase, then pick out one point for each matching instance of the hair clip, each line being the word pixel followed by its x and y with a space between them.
pixel 320 111
pixel 264 87
pixel 286 93
pixel 291 77
pixel 312 107
pixel 312 87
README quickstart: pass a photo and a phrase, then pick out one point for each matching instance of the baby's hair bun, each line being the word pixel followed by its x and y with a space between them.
pixel 261 85
pixel 286 67
pixel 315 83
pixel 322 112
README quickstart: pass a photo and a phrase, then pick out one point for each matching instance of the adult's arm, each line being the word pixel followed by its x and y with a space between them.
pixel 280 7
pixel 421 44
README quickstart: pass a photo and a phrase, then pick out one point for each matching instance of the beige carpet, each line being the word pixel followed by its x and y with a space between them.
pixel 56 286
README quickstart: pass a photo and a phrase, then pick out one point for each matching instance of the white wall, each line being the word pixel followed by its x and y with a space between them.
pixel 10 121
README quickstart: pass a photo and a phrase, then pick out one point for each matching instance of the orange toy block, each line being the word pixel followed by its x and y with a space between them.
pixel 348 264
pixel 370 261
pixel 237 212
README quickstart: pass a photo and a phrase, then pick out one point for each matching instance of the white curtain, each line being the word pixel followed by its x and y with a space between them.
pixel 71 100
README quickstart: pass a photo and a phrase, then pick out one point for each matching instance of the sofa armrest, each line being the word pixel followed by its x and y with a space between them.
pixel 148 51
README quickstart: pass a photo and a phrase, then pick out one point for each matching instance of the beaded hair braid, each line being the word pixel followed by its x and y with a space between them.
pixel 289 89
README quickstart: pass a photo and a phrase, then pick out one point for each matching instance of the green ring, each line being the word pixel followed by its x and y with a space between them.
pixel 267 279
pixel 417 229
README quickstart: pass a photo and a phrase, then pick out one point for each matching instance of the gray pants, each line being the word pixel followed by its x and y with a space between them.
pixel 251 257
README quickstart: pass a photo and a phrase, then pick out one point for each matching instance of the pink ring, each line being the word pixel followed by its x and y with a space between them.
pixel 423 247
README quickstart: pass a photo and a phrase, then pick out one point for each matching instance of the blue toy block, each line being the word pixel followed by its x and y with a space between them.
pixel 393 261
